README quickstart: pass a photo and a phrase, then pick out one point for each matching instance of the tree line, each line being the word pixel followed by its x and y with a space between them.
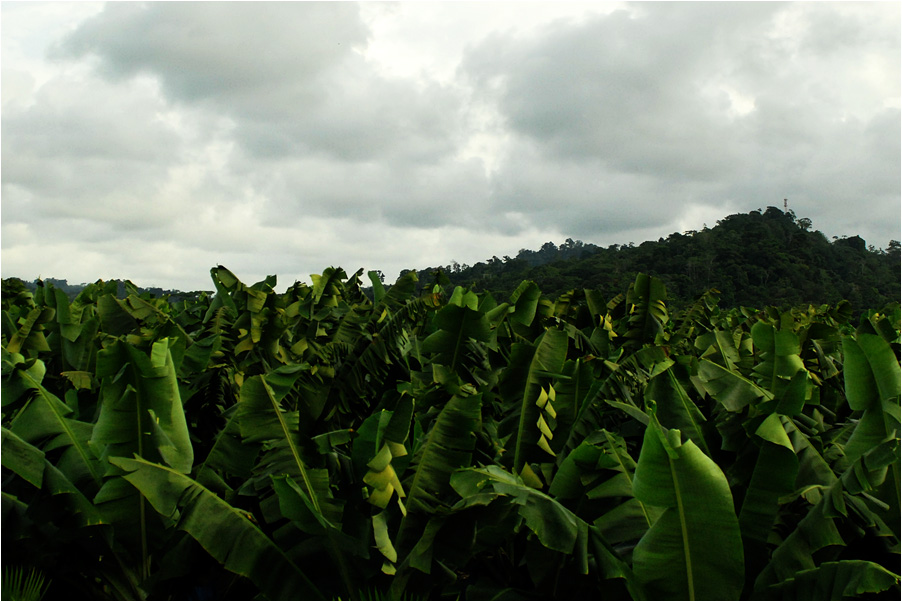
pixel 754 259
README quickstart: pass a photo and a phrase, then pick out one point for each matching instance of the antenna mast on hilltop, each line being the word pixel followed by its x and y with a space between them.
pixel 785 205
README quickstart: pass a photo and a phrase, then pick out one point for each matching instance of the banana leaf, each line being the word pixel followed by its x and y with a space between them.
pixel 841 580
pixel 44 422
pixel 296 506
pixel 19 376
pixel 694 550
pixel 230 455
pixel 448 446
pixel 602 470
pixel 773 477
pixel 456 326
pixel 728 387
pixel 530 368
pixel 525 299
pixel 779 354
pixel 572 394
pixel 648 314
pixel 263 420
pixel 22 458
pixel 141 410
pixel 872 385
pixel 29 338
pixel 225 532
pixel 555 527
pixel 445 447
pixel 675 409
pixel 69 506
pixel 818 529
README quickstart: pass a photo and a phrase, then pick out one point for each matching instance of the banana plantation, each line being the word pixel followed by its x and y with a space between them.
pixel 423 443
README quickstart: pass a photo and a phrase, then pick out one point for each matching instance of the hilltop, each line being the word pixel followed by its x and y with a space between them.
pixel 754 259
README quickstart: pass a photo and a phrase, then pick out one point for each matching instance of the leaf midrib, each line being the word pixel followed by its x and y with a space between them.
pixel 294 450
pixel 625 471
pixel 62 421
pixel 681 511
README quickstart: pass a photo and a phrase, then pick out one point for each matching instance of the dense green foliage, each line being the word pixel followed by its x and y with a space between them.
pixel 754 260
pixel 445 444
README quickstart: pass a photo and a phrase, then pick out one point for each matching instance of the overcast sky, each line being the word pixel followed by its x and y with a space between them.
pixel 154 141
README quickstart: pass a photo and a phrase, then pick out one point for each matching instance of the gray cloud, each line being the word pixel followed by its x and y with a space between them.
pixel 633 114
pixel 86 152
pixel 268 137
pixel 624 89
pixel 231 53
pixel 290 74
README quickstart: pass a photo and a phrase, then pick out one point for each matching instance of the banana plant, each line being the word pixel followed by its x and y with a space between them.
pixel 438 443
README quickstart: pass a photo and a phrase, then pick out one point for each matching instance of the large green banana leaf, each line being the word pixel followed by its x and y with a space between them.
pixel 448 446
pixel 230 455
pixel 22 458
pixel 601 469
pixel 456 326
pixel 572 394
pixel 675 409
pixel 141 409
pixel 263 420
pixel 694 550
pixel 556 527
pixel 141 414
pixel 872 386
pixel 29 338
pixel 774 476
pixel 530 368
pixel 77 329
pixel 728 386
pixel 225 532
pixel 526 300
pixel 31 464
pixel 779 353
pixel 44 422
pixel 842 580
pixel 296 506
pixel 814 471
pixel 648 313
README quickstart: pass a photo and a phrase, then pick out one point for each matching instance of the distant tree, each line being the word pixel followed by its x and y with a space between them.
pixel 853 242
pixel 12 287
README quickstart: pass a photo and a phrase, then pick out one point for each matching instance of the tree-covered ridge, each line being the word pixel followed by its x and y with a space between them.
pixel 754 259
pixel 447 444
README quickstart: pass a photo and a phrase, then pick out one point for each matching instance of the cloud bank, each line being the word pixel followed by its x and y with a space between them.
pixel 153 141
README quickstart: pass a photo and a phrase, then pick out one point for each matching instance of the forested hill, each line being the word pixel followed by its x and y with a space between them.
pixel 754 259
